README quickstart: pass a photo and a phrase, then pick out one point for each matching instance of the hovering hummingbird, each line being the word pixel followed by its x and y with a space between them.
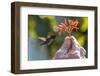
pixel 48 40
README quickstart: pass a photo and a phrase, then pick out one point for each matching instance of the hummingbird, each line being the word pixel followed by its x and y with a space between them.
pixel 48 40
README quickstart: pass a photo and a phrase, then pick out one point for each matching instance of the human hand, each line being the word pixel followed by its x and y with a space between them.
pixel 70 49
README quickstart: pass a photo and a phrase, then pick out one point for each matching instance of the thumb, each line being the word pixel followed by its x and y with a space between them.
pixel 75 44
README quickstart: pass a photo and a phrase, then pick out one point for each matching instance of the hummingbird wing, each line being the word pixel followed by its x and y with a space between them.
pixel 48 40
pixel 42 38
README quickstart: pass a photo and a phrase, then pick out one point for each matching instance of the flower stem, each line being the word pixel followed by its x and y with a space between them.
pixel 69 33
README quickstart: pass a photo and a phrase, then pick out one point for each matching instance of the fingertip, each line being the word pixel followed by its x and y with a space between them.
pixel 67 37
pixel 72 37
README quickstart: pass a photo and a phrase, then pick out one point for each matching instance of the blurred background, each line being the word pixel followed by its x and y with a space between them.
pixel 44 26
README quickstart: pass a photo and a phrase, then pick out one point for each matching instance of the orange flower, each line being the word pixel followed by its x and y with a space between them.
pixel 72 25
pixel 63 27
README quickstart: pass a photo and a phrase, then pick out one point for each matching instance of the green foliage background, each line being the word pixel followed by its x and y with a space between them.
pixel 43 26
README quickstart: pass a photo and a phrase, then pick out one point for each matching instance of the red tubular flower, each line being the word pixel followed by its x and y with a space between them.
pixel 73 24
pixel 63 27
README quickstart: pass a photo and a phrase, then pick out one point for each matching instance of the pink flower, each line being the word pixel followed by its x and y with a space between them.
pixel 63 26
